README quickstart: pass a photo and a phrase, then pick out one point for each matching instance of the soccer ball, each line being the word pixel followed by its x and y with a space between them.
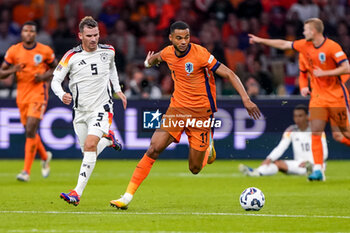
pixel 252 199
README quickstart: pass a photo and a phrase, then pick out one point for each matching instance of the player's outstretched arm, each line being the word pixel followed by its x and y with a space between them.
pixel 252 109
pixel 6 70
pixel 152 59
pixel 344 68
pixel 275 43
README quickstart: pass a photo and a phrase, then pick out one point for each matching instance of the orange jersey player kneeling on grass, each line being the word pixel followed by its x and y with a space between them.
pixel 194 98
pixel 33 63
pixel 326 62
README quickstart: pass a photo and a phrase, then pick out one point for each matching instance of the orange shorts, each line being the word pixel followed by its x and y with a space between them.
pixel 198 129
pixel 35 110
pixel 335 112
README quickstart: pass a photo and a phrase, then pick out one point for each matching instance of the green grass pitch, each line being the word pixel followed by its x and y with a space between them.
pixel 171 199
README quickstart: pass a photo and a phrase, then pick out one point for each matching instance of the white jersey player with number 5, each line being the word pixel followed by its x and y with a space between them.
pixel 91 69
pixel 300 137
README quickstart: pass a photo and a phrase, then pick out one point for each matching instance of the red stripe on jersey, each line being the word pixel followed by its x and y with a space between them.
pixel 66 57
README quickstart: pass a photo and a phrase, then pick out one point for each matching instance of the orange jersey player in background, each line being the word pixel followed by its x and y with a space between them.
pixel 194 99
pixel 33 64
pixel 304 85
pixel 326 62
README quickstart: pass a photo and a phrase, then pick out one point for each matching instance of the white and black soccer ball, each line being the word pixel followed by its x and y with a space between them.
pixel 252 199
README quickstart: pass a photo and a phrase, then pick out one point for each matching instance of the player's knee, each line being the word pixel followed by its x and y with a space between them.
pixel 195 169
pixel 153 151
pixel 30 131
pixel 30 134
pixel 90 146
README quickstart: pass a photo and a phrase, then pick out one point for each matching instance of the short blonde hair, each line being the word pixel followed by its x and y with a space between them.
pixel 316 23
pixel 87 21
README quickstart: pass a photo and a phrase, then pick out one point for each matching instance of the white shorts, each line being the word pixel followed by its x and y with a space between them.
pixel 91 123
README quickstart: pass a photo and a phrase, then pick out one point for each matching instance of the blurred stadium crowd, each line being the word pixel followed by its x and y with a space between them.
pixel 135 27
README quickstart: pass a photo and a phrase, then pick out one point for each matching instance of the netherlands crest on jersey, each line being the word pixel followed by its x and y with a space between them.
pixel 189 67
pixel 322 57
pixel 38 59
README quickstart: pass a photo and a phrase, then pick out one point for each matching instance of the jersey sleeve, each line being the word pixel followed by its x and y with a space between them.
pixel 209 60
pixel 338 54
pixel 282 146
pixel 49 56
pixel 9 56
pixel 303 78
pixel 165 53
pixel 298 45
pixel 114 77
pixel 60 73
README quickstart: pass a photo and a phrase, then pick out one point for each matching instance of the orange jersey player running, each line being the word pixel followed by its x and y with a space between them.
pixel 326 62
pixel 192 68
pixel 33 63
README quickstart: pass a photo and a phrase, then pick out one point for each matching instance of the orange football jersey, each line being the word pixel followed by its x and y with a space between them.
pixel 194 83
pixel 329 55
pixel 303 77
pixel 34 61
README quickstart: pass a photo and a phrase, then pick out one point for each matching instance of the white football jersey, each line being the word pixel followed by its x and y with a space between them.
pixel 301 142
pixel 90 75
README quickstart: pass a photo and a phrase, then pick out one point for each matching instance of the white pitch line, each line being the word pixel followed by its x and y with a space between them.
pixel 155 174
pixel 93 231
pixel 156 213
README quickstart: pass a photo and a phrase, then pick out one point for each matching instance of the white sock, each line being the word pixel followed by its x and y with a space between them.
pixel 128 197
pixel 86 169
pixel 317 167
pixel 103 143
pixel 268 170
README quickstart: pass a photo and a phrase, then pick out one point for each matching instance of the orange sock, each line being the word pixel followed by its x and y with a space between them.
pixel 41 148
pixel 29 153
pixel 205 160
pixel 345 141
pixel 317 150
pixel 140 173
